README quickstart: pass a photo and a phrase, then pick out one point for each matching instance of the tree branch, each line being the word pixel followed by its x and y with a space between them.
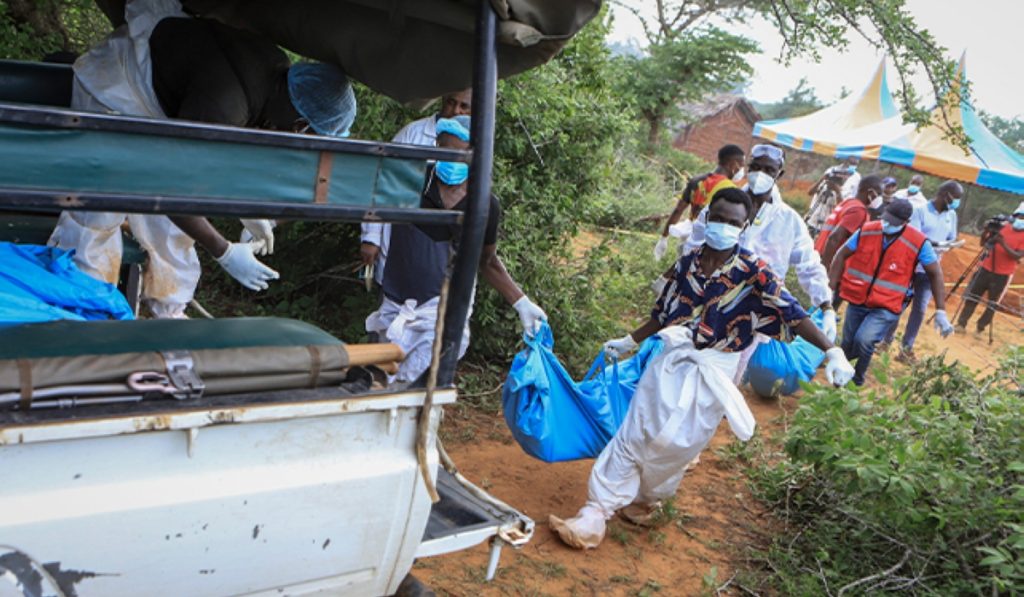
pixel 883 574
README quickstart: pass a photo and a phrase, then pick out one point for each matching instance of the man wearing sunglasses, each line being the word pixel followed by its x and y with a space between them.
pixel 778 235
pixel 874 273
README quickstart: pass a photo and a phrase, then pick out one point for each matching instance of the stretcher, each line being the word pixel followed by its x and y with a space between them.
pixel 73 363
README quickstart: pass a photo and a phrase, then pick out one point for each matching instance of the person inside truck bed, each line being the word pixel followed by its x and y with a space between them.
pixel 418 260
pixel 163 63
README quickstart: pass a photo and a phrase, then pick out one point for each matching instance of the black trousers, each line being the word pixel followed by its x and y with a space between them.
pixel 983 283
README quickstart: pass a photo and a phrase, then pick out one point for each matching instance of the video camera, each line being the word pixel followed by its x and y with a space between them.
pixel 993 226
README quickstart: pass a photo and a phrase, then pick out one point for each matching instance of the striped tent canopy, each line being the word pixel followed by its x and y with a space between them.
pixel 988 162
pixel 825 130
pixel 870 127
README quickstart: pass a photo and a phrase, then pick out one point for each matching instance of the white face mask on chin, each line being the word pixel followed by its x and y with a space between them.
pixel 760 183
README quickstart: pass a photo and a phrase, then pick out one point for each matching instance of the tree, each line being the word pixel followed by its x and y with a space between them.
pixel 30 29
pixel 807 25
pixel 1010 132
pixel 799 101
pixel 681 69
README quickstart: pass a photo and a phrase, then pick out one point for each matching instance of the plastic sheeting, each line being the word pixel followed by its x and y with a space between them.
pixel 40 283
pixel 778 367
pixel 555 418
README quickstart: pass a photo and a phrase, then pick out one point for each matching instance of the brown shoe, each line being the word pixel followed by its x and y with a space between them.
pixel 906 356
pixel 642 515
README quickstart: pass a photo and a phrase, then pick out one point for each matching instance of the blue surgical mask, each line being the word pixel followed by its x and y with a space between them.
pixel 452 173
pixel 851 169
pixel 1018 224
pixel 721 236
pixel 954 204
pixel 888 228
pixel 913 189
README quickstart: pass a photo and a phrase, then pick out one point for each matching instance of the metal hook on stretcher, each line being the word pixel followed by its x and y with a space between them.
pixel 139 385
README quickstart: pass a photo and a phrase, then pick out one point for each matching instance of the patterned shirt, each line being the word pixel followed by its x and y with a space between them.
pixel 727 308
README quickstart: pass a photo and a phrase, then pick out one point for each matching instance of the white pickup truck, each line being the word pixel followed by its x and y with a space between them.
pixel 246 456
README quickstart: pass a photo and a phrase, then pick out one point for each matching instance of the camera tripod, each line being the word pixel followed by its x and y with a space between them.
pixel 970 271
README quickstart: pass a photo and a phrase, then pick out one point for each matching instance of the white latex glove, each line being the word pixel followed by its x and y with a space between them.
pixel 530 315
pixel 838 371
pixel 617 348
pixel 659 284
pixel 660 248
pixel 942 323
pixel 239 262
pixel 260 231
pixel 829 325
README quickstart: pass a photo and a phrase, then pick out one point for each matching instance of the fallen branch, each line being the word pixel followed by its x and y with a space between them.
pixel 883 574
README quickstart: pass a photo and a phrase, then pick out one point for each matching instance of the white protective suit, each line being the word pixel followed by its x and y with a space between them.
pixel 679 402
pixel 412 327
pixel 116 76
pixel 779 236
pixel 417 132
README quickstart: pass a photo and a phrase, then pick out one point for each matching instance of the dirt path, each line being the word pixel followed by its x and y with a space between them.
pixel 718 519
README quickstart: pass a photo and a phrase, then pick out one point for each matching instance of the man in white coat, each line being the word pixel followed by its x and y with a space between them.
pixel 375 237
pixel 778 235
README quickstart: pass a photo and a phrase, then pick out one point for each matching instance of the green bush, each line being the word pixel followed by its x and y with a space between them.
pixel 915 487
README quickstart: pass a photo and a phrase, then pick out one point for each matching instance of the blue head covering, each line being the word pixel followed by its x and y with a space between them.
pixel 322 95
pixel 454 127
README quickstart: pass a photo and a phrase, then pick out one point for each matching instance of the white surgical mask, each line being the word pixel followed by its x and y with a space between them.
pixel 721 236
pixel 1018 224
pixel 739 175
pixel 888 228
pixel 760 183
pixel 876 202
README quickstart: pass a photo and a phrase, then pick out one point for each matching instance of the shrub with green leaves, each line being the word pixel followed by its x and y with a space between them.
pixel 916 486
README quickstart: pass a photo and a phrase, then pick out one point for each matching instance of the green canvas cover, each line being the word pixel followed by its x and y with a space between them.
pixel 82 161
pixel 230 355
pixel 73 338
pixel 412 50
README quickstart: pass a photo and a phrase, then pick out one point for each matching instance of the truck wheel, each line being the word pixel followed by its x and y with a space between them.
pixel 412 587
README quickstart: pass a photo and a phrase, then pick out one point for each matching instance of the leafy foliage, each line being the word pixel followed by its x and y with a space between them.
pixel 1009 131
pixel 917 486
pixel 808 25
pixel 799 101
pixel 31 29
pixel 682 69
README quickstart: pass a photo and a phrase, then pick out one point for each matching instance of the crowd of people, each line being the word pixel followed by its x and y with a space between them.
pixel 863 242
pixel 163 63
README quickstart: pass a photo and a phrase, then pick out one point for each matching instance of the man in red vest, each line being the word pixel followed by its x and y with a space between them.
pixel 848 217
pixel 874 272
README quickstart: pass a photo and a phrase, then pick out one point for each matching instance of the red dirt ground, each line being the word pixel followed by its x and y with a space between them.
pixel 720 520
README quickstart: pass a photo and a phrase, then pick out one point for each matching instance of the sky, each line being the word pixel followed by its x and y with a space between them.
pixel 988 30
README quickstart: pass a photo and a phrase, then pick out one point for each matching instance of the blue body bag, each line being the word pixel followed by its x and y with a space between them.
pixel 40 283
pixel 555 418
pixel 779 367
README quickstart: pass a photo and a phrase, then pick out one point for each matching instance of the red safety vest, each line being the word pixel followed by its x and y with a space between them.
pixel 838 212
pixel 881 278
